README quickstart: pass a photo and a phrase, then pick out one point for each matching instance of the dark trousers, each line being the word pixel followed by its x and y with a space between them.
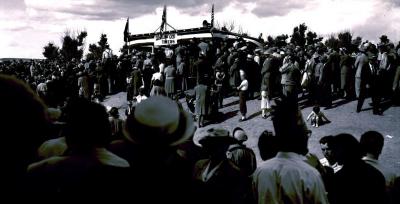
pixel 361 96
pixel 242 102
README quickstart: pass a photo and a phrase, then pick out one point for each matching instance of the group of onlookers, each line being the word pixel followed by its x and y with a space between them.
pixel 159 157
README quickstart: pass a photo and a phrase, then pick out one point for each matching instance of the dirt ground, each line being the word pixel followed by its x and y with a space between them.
pixel 343 116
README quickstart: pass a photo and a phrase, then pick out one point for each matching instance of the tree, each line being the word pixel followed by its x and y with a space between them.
pixel 96 51
pixel 280 40
pixel 332 42
pixel 72 47
pixel 50 51
pixel 312 38
pixel 298 37
pixel 345 39
pixel 384 39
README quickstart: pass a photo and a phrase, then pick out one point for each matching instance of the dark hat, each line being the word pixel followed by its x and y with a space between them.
pixel 159 121
pixel 215 135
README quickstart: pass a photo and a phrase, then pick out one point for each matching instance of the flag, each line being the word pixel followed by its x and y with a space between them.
pixel 212 16
pixel 164 19
pixel 126 30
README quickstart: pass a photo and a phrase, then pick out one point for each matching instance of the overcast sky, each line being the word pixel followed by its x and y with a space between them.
pixel 27 25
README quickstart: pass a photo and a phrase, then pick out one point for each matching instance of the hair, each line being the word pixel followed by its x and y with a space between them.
pixel 349 147
pixel 326 140
pixel 268 145
pixel 290 128
pixel 372 142
pixel 316 108
pixel 87 125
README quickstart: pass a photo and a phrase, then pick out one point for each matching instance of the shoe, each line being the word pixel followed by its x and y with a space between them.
pixel 264 116
pixel 242 119
pixel 316 125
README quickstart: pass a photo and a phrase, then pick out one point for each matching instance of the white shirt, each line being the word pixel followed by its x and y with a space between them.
pixel 286 178
pixel 336 167
pixel 244 85
pixel 157 76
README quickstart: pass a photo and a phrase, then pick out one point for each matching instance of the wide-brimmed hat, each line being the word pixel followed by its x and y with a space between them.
pixel 239 134
pixel 215 135
pixel 159 121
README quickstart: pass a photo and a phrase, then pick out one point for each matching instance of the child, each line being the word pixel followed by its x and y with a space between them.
pixel 242 88
pixel 317 117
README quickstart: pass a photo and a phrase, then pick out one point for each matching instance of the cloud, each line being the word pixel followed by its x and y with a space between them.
pixel 20 28
pixel 13 44
pixel 385 21
pixel 115 9
pixel 267 8
pixel 12 5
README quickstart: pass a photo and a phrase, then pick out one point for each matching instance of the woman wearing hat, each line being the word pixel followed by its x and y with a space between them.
pixel 217 179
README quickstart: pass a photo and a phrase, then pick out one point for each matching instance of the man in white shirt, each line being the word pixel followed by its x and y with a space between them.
pixel 287 178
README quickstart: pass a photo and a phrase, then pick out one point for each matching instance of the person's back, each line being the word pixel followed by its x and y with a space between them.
pixel 287 178
pixel 372 144
pixel 242 156
pixel 356 182
pixel 86 163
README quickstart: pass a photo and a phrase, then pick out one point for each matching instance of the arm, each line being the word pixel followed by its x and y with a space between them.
pixel 285 68
pixel 310 115
pixel 240 86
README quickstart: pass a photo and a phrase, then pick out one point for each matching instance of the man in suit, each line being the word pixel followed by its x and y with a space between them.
pixel 362 74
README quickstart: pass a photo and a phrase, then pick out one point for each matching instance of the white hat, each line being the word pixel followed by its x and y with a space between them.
pixel 159 121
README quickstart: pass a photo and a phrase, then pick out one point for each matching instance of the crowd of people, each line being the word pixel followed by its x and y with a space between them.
pixel 69 145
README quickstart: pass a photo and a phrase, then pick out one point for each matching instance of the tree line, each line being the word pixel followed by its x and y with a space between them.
pixel 73 44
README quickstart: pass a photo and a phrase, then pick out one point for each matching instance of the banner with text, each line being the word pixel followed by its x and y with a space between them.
pixel 166 39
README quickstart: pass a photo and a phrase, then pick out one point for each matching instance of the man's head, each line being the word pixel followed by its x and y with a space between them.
pixel 346 149
pixel 326 148
pixel 372 143
pixel 267 144
pixel 290 128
